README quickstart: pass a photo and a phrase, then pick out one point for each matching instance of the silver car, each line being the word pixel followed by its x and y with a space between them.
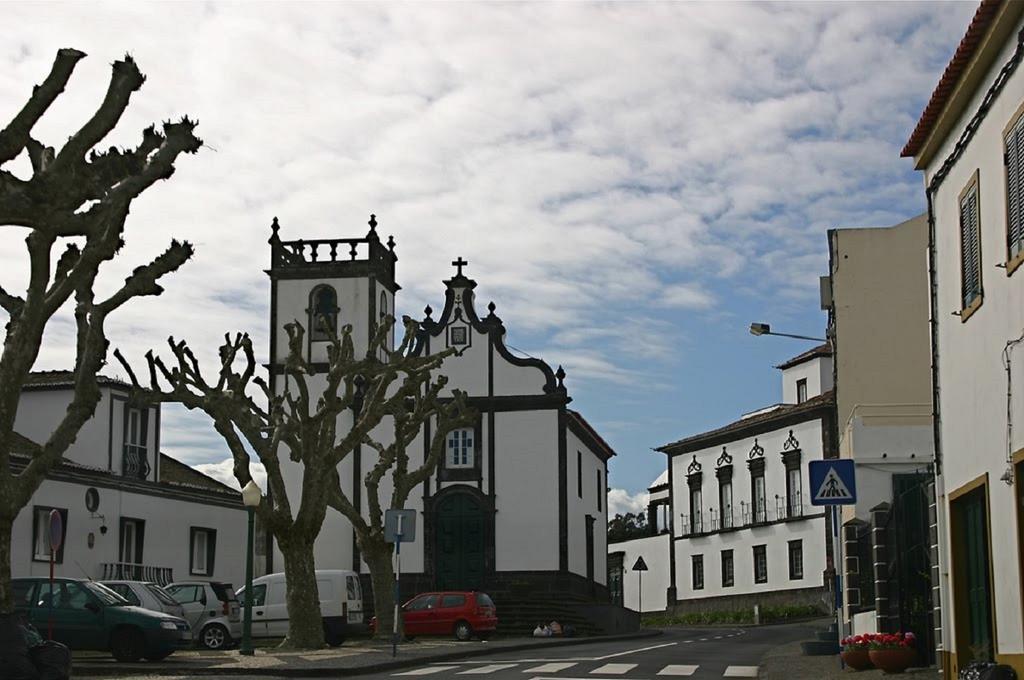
pixel 147 595
pixel 212 610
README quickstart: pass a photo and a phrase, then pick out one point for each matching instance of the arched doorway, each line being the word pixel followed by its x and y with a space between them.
pixel 459 543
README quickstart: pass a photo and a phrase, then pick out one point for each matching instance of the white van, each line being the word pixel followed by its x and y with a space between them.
pixel 341 605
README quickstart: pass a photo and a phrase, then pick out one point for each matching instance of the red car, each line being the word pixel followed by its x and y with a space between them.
pixel 459 613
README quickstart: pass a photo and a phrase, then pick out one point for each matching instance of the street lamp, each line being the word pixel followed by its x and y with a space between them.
pixel 251 496
pixel 765 329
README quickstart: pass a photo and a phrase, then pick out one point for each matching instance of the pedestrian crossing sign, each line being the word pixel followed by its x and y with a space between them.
pixel 833 482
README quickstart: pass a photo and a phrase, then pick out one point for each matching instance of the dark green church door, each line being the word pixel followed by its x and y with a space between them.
pixel 459 543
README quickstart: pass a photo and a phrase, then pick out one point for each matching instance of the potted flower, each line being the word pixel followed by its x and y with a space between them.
pixel 892 652
pixel 855 652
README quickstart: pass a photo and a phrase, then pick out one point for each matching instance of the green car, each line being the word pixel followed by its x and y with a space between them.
pixel 88 615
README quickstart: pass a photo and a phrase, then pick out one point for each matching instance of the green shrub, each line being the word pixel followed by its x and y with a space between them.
pixel 768 615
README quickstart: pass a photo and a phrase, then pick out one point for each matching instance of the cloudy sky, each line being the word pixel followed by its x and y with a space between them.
pixel 633 184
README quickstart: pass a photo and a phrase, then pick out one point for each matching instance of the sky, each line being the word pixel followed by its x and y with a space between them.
pixel 633 184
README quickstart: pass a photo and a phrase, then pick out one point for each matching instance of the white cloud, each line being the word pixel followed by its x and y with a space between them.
pixel 621 501
pixel 224 472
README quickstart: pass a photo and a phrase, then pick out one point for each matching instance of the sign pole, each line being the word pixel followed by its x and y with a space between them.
pixel 56 535
pixel 398 574
pixel 640 587
pixel 49 618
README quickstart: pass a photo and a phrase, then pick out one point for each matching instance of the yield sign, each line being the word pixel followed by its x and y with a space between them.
pixel 640 565
pixel 833 482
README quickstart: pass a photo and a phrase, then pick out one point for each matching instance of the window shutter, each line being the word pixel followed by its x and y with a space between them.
pixel 970 247
pixel 1014 154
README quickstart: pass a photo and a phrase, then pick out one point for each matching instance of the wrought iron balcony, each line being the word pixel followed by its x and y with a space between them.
pixel 126 571
pixel 788 507
pixel 135 462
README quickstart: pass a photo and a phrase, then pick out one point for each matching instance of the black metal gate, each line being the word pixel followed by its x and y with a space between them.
pixel 908 543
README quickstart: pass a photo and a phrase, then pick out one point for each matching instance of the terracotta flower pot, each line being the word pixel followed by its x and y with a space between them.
pixel 857 659
pixel 893 660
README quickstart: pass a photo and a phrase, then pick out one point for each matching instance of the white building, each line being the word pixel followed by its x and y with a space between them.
pixel 128 510
pixel 969 143
pixel 518 507
pixel 645 591
pixel 743 530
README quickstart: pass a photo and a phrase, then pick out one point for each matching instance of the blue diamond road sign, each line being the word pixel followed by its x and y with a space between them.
pixel 833 482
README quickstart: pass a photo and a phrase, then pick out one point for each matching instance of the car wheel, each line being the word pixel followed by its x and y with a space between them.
pixel 215 636
pixel 127 644
pixel 159 656
pixel 463 631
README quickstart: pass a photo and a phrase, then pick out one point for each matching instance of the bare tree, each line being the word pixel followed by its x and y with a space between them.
pixel 312 429
pixel 84 196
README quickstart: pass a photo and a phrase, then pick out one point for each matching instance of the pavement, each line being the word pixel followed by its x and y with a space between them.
pixel 786 662
pixel 701 653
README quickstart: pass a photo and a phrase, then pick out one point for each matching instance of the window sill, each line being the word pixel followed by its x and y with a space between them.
pixel 1014 262
pixel 970 309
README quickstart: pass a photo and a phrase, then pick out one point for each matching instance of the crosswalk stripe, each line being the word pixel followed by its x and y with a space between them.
pixel 740 672
pixel 428 670
pixel 614 669
pixel 678 669
pixel 549 668
pixel 484 670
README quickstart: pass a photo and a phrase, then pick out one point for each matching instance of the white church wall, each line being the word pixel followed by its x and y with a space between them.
pixel 512 380
pixel 526 524
pixel 654 582
pixel 293 301
pixel 467 371
pixel 166 541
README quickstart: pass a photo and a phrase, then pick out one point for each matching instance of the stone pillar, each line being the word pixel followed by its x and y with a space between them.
pixel 880 554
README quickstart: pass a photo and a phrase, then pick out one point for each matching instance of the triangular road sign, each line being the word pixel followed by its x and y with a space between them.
pixel 640 564
pixel 832 488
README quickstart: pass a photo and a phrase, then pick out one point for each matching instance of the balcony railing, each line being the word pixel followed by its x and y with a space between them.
pixel 714 521
pixel 126 571
pixel 135 462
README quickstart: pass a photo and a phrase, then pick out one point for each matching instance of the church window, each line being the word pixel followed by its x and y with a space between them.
pixel 323 313
pixel 460 448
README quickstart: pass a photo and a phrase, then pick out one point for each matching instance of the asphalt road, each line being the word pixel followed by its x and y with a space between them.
pixel 698 653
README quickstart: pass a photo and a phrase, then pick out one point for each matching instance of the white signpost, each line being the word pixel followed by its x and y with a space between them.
pixel 399 526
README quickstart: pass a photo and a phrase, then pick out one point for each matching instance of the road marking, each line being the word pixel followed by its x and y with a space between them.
pixel 614 669
pixel 427 670
pixel 678 669
pixel 740 672
pixel 549 668
pixel 631 651
pixel 484 670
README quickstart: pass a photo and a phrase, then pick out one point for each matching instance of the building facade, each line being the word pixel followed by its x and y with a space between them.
pixel 969 144
pixel 743 530
pixel 644 590
pixel 518 506
pixel 128 511
pixel 876 296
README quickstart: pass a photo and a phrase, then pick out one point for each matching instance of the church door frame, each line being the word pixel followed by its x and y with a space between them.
pixel 431 505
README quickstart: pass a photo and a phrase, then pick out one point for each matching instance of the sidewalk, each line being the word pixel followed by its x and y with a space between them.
pixel 353 658
pixel 787 663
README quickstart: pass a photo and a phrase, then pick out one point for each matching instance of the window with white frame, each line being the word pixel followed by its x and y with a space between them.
pixel 460 448
pixel 801 390
pixel 794 505
pixel 760 508
pixel 201 551
pixel 41 534
pixel 725 504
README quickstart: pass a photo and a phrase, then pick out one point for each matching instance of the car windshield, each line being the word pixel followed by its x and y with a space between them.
pixel 105 595
pixel 161 595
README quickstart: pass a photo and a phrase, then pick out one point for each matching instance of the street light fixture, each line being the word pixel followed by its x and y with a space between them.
pixel 765 329
pixel 251 497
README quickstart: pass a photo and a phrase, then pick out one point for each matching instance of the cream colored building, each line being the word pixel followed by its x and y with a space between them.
pixel 969 143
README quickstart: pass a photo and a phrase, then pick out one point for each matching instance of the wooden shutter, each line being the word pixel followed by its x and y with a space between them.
pixel 970 247
pixel 1014 159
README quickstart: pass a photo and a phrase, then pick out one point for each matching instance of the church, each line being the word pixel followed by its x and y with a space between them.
pixel 518 506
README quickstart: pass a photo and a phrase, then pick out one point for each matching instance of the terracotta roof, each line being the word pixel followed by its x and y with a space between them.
pixel 965 51
pixel 173 471
pixel 822 350
pixel 762 422
pixel 42 379
pixel 575 417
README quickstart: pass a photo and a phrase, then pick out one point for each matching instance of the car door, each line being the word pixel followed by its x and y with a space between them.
pixel 193 600
pixel 259 608
pixel 276 608
pixel 450 609
pixel 77 617
pixel 418 614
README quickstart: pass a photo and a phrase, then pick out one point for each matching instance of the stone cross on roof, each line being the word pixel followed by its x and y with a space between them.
pixel 460 263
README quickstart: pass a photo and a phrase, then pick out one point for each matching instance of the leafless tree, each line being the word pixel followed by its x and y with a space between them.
pixel 80 199
pixel 317 428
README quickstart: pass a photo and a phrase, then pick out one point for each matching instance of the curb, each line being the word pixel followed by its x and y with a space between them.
pixel 118 669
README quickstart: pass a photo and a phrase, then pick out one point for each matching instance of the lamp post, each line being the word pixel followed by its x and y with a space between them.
pixel 766 329
pixel 251 496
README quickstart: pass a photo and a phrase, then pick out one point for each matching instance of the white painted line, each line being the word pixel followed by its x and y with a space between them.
pixel 631 651
pixel 740 672
pixel 678 669
pixel 427 670
pixel 614 669
pixel 493 668
pixel 549 668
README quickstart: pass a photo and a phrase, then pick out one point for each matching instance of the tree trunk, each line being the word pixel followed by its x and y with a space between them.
pixel 6 599
pixel 377 555
pixel 305 625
